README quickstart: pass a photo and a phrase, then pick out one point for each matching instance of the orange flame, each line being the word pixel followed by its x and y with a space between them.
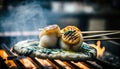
pixel 100 51
pixel 4 55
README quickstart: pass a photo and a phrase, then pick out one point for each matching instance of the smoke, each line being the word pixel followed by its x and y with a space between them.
pixel 24 17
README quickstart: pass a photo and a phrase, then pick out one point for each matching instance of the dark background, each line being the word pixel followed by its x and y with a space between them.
pixel 24 15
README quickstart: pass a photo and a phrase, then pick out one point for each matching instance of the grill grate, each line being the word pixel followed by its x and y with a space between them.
pixel 97 64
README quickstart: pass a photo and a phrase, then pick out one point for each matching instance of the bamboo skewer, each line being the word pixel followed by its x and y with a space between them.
pixel 92 36
pixel 98 32
pixel 102 39
pixel 93 32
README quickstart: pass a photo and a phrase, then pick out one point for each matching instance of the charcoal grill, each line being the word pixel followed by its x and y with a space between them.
pixel 38 63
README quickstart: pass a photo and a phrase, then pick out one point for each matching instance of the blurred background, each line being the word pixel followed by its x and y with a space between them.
pixel 21 19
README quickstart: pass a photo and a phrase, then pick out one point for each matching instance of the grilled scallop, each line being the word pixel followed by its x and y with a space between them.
pixel 71 38
pixel 49 36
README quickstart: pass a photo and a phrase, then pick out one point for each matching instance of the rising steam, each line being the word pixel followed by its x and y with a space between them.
pixel 24 17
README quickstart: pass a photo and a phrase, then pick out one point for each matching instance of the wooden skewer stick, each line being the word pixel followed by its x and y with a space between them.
pixel 109 32
pixel 102 39
pixel 92 32
pixel 97 32
pixel 92 36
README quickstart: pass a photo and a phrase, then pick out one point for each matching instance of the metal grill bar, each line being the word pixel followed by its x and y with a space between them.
pixel 36 63
pixel 17 62
pixel 7 50
pixel 99 64
pixel 71 65
pixel 76 67
pixel 54 63
pixel 93 65
pixel 105 65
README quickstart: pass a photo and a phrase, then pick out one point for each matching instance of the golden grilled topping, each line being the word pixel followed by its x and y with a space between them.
pixel 51 29
pixel 71 35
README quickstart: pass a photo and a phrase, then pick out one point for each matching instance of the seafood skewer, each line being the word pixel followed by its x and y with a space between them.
pixel 71 38
pixel 49 36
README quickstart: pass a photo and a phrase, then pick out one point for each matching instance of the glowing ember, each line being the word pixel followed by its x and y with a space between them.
pixel 100 50
pixel 81 65
pixel 43 62
pixel 4 55
pixel 63 64
pixel 27 63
